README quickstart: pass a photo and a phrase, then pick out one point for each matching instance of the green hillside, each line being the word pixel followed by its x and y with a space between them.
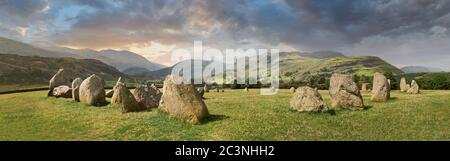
pixel 299 67
pixel 33 70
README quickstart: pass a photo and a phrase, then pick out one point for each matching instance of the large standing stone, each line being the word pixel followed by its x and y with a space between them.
pixel 147 96
pixel 76 83
pixel 414 89
pixel 119 81
pixel 345 92
pixel 59 79
pixel 403 85
pixel 123 99
pixel 92 91
pixel 62 91
pixel 182 101
pixel 307 99
pixel 381 90
pixel 292 89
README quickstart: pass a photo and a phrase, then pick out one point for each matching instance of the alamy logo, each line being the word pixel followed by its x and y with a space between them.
pixel 249 66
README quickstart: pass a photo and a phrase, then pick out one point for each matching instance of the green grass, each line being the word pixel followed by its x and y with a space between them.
pixel 5 87
pixel 235 115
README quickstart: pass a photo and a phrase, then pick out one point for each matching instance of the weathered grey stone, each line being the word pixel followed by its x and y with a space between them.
pixel 182 101
pixel 381 90
pixel 76 83
pixel 147 96
pixel 403 85
pixel 414 89
pixel 123 99
pixel 345 92
pixel 307 99
pixel 59 79
pixel 92 91
pixel 62 91
pixel 245 89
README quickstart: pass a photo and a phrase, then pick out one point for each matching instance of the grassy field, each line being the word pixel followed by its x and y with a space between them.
pixel 235 115
pixel 4 87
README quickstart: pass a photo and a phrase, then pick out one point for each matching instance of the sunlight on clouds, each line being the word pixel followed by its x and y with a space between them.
pixel 22 31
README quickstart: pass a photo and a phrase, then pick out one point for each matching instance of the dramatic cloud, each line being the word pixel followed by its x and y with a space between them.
pixel 404 32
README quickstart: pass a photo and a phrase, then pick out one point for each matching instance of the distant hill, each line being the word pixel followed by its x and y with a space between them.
pixel 122 60
pixel 419 69
pixel 300 66
pixel 15 69
pixel 135 71
pixel 19 48
pixel 119 59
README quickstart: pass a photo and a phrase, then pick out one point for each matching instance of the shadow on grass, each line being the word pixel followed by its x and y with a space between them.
pixel 212 118
pixel 329 111
pixel 367 107
pixel 393 98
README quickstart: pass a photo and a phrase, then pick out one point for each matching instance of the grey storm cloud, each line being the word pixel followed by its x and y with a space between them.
pixel 22 12
pixel 391 29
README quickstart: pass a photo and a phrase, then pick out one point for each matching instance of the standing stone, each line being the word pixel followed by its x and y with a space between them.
pixel 62 91
pixel 124 100
pixel 92 91
pixel 403 85
pixel 292 90
pixel 182 101
pixel 76 89
pixel 201 92
pixel 345 92
pixel 206 88
pixel 59 79
pixel 408 87
pixel 223 90
pixel 217 89
pixel 381 90
pixel 147 96
pixel 389 82
pixel 414 89
pixel 109 93
pixel 245 89
pixel 307 99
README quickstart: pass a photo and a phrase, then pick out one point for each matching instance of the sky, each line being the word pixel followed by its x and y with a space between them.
pixel 402 32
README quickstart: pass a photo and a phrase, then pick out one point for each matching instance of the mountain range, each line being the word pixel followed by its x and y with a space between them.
pixel 293 65
pixel 34 70
pixel 419 69
pixel 302 65
pixel 121 60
